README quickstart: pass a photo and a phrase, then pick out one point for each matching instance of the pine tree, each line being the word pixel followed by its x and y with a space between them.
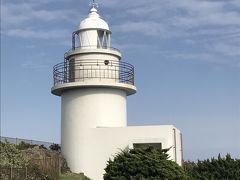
pixel 143 164
pixel 214 169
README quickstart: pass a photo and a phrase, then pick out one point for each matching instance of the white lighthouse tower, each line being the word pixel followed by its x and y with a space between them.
pixel 93 83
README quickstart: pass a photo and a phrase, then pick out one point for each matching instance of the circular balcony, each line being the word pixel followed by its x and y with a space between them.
pixel 92 49
pixel 76 73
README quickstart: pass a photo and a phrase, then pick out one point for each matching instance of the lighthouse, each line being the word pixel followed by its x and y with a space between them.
pixel 93 82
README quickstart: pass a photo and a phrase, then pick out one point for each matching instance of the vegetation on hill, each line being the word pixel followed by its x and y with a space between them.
pixel 140 163
pixel 150 163
pixel 73 176
pixel 41 163
pixel 11 156
pixel 55 147
pixel 14 159
pixel 143 163
pixel 22 146
pixel 222 168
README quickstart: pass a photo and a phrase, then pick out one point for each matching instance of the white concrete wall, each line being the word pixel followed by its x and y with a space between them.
pixel 96 56
pixel 88 38
pixel 88 108
pixel 91 38
pixel 93 67
pixel 97 145
pixel 178 147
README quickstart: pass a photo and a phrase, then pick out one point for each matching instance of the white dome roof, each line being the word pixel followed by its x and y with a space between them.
pixel 93 21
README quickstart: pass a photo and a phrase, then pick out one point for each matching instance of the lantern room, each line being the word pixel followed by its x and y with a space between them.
pixel 93 32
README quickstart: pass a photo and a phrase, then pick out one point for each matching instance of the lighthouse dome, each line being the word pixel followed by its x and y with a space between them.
pixel 93 21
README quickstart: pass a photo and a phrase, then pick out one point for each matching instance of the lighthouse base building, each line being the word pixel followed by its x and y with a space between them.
pixel 101 143
pixel 93 83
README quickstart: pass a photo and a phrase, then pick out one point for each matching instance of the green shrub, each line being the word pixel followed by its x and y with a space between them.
pixel 140 164
pixel 11 156
pixel 42 146
pixel 35 173
pixel 55 147
pixel 73 176
pixel 215 169
pixel 22 145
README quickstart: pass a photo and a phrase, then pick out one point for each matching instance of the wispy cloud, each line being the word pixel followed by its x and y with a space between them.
pixel 181 15
pixel 30 19
pixel 18 14
pixel 207 25
pixel 38 34
pixel 148 28
pixel 34 65
pixel 227 49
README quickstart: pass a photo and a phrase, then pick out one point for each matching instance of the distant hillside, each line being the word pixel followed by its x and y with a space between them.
pixel 33 161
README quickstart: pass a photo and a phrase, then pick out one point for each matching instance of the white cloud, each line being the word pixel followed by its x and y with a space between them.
pixel 39 34
pixel 179 16
pixel 147 28
pixel 30 19
pixel 18 14
pixel 212 26
pixel 191 56
pixel 34 65
pixel 227 49
pixel 207 30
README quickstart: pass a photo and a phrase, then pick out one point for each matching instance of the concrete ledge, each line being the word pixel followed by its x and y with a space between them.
pixel 59 88
pixel 93 50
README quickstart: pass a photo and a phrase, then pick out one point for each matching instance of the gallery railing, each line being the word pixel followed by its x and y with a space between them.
pixel 84 70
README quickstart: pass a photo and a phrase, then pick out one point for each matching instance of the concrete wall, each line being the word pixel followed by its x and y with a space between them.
pixel 90 67
pixel 179 149
pixel 99 144
pixel 87 108
pixel 108 55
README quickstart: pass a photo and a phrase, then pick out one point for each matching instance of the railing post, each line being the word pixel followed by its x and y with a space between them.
pixel 26 172
pixel 132 76
pixel 73 41
pixel 100 73
pixel 10 173
pixel 59 165
pixel 116 74
pixel 91 72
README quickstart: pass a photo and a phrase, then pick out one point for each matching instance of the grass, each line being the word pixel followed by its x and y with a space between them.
pixel 72 176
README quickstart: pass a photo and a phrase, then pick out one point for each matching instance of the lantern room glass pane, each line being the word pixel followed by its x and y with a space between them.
pixel 100 38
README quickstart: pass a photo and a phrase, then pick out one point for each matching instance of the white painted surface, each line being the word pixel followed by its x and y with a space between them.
pixel 88 108
pixel 179 147
pixel 88 39
pixel 93 21
pixel 96 145
pixel 60 88
pixel 103 55
pixel 100 52
pixel 94 107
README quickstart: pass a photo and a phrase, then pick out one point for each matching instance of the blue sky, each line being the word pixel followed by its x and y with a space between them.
pixel 186 57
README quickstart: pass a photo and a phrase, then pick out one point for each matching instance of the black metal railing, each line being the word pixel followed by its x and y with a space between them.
pixel 85 70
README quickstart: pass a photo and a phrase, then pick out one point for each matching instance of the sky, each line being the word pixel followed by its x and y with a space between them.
pixel 186 57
